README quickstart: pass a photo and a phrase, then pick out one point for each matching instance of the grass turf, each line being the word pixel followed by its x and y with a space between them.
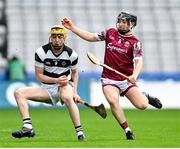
pixel 153 128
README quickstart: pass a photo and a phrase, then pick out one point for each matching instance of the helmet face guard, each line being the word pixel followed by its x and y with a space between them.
pixel 128 17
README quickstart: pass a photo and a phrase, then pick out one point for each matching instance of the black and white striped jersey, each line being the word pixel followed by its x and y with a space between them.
pixel 56 65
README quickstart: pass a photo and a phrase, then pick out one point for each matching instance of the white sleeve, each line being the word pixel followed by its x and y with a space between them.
pixel 74 60
pixel 39 57
pixel 137 51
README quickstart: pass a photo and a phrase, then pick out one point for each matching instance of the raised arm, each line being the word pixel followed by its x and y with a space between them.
pixel 80 32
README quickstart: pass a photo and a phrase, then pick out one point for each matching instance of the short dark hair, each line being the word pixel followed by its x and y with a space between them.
pixel 128 17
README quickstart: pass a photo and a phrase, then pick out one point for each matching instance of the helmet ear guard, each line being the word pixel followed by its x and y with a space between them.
pixel 128 17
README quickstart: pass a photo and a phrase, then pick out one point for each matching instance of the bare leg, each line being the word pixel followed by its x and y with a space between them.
pixel 137 98
pixel 141 100
pixel 21 96
pixel 112 95
pixel 66 94
pixel 29 93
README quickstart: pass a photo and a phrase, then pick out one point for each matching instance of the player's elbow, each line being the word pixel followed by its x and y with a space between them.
pixel 92 38
pixel 89 37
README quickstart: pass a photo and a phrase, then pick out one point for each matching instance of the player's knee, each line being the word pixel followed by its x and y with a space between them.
pixel 142 106
pixel 112 103
pixel 66 97
pixel 68 101
pixel 18 93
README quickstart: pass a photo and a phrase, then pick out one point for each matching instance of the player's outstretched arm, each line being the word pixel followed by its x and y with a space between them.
pixel 80 32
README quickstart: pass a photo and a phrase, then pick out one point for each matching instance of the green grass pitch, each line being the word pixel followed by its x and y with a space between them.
pixel 153 128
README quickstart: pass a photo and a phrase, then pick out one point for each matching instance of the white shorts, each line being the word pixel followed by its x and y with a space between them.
pixel 123 86
pixel 53 91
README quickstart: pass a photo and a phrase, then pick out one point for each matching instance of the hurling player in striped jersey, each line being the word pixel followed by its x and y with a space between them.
pixel 123 53
pixel 56 69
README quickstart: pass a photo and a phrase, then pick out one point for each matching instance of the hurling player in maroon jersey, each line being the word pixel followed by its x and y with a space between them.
pixel 123 52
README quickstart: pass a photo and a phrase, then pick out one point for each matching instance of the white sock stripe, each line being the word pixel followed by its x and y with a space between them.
pixel 27 126
pixel 79 129
pixel 26 121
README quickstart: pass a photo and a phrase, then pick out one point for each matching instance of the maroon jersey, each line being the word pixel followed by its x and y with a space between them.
pixel 120 53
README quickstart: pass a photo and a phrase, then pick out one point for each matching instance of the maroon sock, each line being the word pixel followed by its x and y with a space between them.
pixel 124 125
